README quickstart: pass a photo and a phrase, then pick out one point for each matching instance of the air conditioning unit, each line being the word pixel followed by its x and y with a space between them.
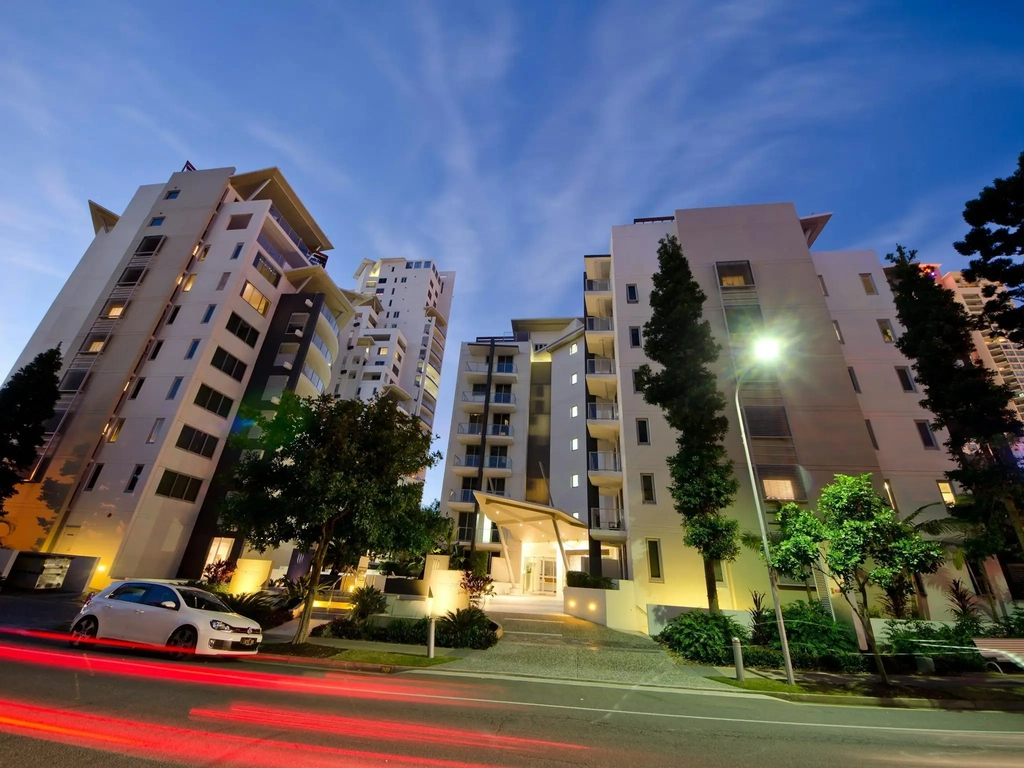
pixel 287 365
pixel 309 303
pixel 275 400
pixel 298 332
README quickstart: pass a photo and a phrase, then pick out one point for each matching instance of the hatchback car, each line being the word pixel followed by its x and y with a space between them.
pixel 183 620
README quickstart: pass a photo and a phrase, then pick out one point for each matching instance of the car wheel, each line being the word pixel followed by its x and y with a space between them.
pixel 182 642
pixel 84 631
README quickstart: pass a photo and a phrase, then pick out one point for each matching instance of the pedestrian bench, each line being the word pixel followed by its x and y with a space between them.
pixel 1006 650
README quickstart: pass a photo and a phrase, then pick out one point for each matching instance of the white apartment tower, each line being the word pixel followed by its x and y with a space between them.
pixel 207 291
pixel 841 399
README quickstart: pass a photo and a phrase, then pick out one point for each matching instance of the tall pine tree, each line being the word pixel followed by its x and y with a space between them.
pixel 995 244
pixel 26 404
pixel 966 401
pixel 679 340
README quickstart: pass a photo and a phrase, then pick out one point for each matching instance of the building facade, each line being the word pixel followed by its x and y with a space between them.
pixel 841 399
pixel 209 290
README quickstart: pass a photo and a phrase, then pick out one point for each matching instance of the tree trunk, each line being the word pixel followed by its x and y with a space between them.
pixel 869 635
pixel 1015 518
pixel 302 631
pixel 712 585
pixel 807 589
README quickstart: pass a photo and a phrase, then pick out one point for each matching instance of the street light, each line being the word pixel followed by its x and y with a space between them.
pixel 766 349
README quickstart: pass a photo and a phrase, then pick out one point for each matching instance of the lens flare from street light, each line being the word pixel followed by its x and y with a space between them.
pixel 766 349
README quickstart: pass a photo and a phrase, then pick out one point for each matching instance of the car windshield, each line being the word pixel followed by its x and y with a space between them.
pixel 203 601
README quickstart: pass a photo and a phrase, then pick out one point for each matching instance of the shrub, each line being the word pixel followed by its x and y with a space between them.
pixel 262 607
pixel 702 637
pixel 811 630
pixel 341 628
pixel 477 586
pixel 220 572
pixel 940 643
pixel 366 601
pixel 465 628
pixel 402 631
pixel 584 580
pixel 1009 626
pixel 759 620
pixel 765 658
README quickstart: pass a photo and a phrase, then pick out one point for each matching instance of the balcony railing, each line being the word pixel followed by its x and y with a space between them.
pixel 493 430
pixel 601 365
pixel 292 234
pixel 488 462
pixel 604 411
pixel 598 285
pixel 465 495
pixel 498 367
pixel 505 398
pixel 607 519
pixel 605 461
pixel 330 318
pixel 600 324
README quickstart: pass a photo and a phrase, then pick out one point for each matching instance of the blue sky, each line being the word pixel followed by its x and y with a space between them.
pixel 504 139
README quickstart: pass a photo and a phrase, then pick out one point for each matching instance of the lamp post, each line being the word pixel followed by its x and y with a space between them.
pixel 765 349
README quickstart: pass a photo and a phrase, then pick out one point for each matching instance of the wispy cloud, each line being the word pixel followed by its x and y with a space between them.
pixel 298 154
pixel 158 129
pixel 23 97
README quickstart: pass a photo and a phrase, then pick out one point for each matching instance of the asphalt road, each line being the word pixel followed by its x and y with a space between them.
pixel 60 707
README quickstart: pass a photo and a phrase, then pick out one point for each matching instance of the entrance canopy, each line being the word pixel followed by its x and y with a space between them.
pixel 528 521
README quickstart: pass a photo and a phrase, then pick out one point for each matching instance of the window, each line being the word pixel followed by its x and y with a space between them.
pixel 174 314
pixel 213 401
pixel 242 330
pixel 574 348
pixel 780 489
pixel 890 495
pixel 634 336
pixel 632 294
pixel 574 378
pixel 94 343
pixel 275 387
pixel 885 328
pixel 114 310
pixel 839 333
pixel 821 284
pixel 134 479
pixel 115 431
pixel 404 279
pixel 767 420
pixel 189 282
pixel 240 221
pixel 203 253
pixel 265 268
pixel 734 274
pixel 654 560
pixel 156 349
pixel 229 364
pixel 156 221
pixel 647 489
pixel 924 429
pixel 197 441
pixel 94 477
pixel 638 385
pixel 906 379
pixel 154 433
pixel 946 490
pixel 396 314
pixel 382 351
pixel 574 411
pixel 177 486
pixel 225 276
pixel 853 380
pixel 643 432
pixel 744 319
pixel 131 276
pixel 575 444
pixel 871 433
pixel 208 314
pixel 175 385
pixel 172 195
pixel 869 284
pixel 255 299
pixel 238 251
pixel 192 347
pixel 137 388
pixel 575 481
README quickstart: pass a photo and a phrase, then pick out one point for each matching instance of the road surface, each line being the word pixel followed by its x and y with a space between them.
pixel 60 707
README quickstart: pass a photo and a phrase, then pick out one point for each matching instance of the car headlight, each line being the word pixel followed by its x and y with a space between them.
pixel 220 626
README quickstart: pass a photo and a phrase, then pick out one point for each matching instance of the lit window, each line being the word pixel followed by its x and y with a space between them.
pixel 203 253
pixel 574 411
pixel 115 309
pixel 839 333
pixel 890 495
pixel 782 490
pixel 189 282
pixel 946 489
pixel 574 348
pixel 255 299
pixel 157 221
pixel 115 432
pixel 96 345
pixel 885 328
pixel 869 284
pixel 382 351
pixel 575 481
pixel 575 444
pixel 574 378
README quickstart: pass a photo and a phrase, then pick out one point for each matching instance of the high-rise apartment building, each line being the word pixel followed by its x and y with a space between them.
pixel 207 291
pixel 395 343
pixel 841 399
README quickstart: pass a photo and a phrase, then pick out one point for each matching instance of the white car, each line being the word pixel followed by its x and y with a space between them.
pixel 184 620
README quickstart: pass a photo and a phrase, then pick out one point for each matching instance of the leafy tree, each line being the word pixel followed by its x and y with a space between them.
pixel 965 398
pixel 326 470
pixel 995 240
pixel 867 545
pixel 26 404
pixel 679 340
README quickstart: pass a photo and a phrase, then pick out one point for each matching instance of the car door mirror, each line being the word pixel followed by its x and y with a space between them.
pixel 169 604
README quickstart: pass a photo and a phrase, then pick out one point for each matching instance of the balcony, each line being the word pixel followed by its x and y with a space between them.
pixel 600 336
pixel 597 295
pixel 463 499
pixel 497 434
pixel 603 421
pixel 604 468
pixel 501 402
pixel 602 380
pixel 607 524
pixel 501 373
pixel 493 466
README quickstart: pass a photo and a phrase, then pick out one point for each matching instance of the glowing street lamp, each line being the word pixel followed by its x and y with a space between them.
pixel 766 349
